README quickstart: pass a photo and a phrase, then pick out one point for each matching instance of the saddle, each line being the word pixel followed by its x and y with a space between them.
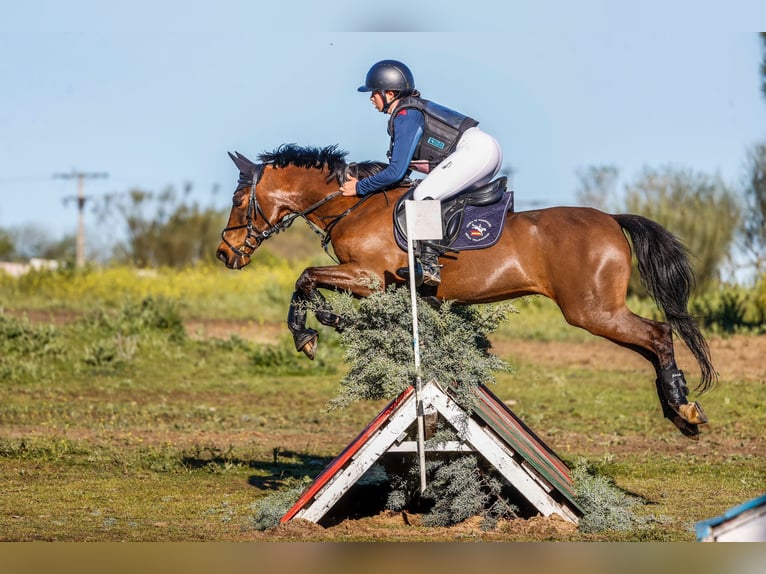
pixel 472 219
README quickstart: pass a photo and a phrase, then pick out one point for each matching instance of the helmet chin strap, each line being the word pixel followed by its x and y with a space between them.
pixel 387 105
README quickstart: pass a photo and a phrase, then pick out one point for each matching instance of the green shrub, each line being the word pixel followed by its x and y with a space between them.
pixel 48 448
pixel 20 337
pixel 269 509
pixel 730 309
pixel 605 506
pixel 27 350
pixel 454 345
pixel 759 302
pixel 139 318
pixel 458 488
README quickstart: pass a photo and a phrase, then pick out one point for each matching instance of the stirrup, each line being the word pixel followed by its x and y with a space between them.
pixel 404 273
pixel 431 275
pixel 429 259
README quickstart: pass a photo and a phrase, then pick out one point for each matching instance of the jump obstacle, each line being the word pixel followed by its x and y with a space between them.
pixel 491 430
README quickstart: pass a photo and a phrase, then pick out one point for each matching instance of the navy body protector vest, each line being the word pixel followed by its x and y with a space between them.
pixel 443 128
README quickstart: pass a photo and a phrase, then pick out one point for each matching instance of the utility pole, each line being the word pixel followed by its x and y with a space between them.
pixel 80 177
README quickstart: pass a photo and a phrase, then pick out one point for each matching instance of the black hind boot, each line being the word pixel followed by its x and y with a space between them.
pixel 672 391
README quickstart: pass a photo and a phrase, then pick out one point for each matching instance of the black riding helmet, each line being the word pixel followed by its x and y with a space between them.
pixel 389 75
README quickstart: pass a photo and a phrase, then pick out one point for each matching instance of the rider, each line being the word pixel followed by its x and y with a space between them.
pixel 429 138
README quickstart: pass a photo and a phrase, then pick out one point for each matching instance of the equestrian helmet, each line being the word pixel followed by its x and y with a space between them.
pixel 388 75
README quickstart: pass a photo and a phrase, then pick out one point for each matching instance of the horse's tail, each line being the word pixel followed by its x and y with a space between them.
pixel 665 271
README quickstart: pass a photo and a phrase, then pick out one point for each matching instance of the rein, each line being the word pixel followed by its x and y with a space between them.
pixel 324 234
pixel 255 237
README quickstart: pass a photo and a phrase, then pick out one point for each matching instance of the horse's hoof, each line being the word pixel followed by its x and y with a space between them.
pixel 306 342
pixel 309 349
pixel 687 429
pixel 692 413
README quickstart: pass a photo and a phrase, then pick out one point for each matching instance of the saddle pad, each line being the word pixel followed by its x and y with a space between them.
pixel 481 226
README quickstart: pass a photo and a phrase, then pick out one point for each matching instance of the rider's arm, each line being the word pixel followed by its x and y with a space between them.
pixel 408 129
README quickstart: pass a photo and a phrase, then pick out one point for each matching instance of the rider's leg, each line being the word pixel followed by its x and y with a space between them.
pixel 476 160
pixel 429 260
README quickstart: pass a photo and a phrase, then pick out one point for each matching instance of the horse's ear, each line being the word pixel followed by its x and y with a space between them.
pixel 243 164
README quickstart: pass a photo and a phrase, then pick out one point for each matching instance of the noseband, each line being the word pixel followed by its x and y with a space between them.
pixel 254 236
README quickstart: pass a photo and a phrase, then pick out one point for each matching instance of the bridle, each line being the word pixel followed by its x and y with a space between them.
pixel 254 236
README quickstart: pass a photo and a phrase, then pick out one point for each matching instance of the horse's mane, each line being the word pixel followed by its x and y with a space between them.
pixel 329 157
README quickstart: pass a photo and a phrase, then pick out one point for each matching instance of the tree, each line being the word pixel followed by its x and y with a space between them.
pixel 162 229
pixel 7 245
pixel 763 64
pixel 754 218
pixel 701 210
pixel 33 241
pixel 598 186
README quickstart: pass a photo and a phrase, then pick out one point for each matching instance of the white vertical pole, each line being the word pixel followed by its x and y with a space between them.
pixel 418 378
pixel 423 222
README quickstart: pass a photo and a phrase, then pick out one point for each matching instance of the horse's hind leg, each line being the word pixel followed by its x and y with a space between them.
pixel 653 340
pixel 672 391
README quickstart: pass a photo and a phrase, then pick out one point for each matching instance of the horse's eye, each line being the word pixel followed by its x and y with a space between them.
pixel 238 199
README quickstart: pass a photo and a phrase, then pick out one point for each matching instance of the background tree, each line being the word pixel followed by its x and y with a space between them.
pixel 754 218
pixel 763 64
pixel 598 187
pixel 7 246
pixel 163 229
pixel 701 210
pixel 27 241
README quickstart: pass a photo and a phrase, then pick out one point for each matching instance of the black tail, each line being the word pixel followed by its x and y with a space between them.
pixel 665 271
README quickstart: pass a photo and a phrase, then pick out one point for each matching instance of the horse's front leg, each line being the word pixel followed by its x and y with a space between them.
pixel 323 312
pixel 305 339
pixel 306 296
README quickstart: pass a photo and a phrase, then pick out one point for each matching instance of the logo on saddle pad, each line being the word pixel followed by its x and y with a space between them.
pixel 477 226
pixel 477 230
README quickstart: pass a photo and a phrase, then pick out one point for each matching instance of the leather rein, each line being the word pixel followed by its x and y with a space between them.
pixel 255 237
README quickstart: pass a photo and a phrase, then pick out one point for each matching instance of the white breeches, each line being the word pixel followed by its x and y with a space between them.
pixel 476 160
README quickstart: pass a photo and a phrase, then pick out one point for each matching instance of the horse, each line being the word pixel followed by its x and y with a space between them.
pixel 579 257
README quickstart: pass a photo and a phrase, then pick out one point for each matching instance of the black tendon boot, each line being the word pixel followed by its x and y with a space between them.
pixel 672 385
pixel 672 391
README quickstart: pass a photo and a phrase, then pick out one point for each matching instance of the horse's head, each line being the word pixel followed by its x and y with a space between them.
pixel 280 198
pixel 241 235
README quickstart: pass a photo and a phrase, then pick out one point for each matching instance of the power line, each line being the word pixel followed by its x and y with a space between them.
pixel 22 179
pixel 80 176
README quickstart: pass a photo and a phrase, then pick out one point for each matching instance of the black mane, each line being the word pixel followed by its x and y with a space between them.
pixel 329 157
pixel 300 156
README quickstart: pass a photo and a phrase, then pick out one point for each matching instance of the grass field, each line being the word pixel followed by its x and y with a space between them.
pixel 119 422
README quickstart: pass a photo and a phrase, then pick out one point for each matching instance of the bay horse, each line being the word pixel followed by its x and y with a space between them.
pixel 577 256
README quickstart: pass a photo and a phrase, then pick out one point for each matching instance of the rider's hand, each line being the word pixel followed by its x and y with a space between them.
pixel 349 188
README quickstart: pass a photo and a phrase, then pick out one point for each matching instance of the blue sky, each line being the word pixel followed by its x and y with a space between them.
pixel 156 93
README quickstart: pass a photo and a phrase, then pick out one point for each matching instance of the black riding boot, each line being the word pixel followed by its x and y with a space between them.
pixel 427 268
pixel 429 260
